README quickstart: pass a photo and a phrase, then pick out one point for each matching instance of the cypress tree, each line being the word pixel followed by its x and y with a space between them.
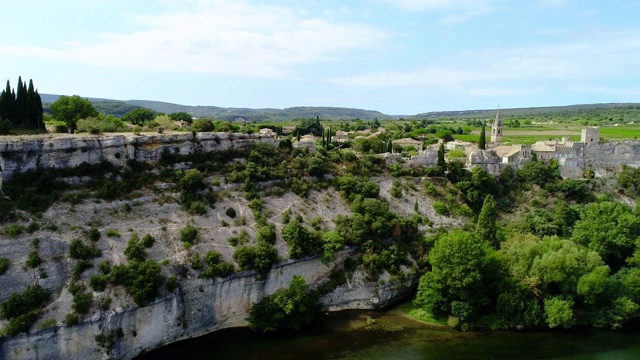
pixel 31 105
pixel 482 142
pixel 4 107
pixel 21 103
pixel 7 100
pixel 441 161
pixel 37 114
pixel 486 226
pixel 13 106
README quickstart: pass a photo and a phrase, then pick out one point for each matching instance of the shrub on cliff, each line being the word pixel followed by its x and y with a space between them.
pixel 188 235
pixel 79 251
pixel 216 267
pixel 259 257
pixel 4 265
pixel 22 310
pixel 288 308
pixel 142 279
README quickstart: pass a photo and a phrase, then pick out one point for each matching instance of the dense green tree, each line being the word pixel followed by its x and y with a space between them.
pixel 610 229
pixel 301 241
pixel 259 257
pixel 482 141
pixel 203 125
pixel 629 179
pixel 564 217
pixel 309 126
pixel 71 109
pixel 286 309
pixel 350 186
pixel 486 228
pixel 457 262
pixel 139 116
pixel 559 312
pixel 539 173
pixel 317 166
pixel 181 116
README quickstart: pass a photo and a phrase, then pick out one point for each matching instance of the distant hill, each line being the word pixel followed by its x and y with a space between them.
pixel 120 107
pixel 539 112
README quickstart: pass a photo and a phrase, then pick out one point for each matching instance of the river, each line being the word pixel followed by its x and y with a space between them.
pixel 390 335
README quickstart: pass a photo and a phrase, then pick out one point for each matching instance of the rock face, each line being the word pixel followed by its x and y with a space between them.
pixel 197 307
pixel 607 158
pixel 21 154
pixel 487 160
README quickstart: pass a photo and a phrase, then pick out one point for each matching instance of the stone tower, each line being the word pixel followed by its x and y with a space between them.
pixel 590 135
pixel 496 130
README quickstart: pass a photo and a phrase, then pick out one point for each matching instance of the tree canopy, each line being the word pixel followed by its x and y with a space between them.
pixel 70 109
pixel 139 116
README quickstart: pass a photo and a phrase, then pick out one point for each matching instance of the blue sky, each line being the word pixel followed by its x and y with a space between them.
pixel 398 57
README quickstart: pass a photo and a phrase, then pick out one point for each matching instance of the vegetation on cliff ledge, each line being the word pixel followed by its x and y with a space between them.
pixel 533 249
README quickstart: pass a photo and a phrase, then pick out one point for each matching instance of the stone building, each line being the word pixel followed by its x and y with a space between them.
pixel 590 135
pixel 569 154
pixel 341 137
pixel 267 132
pixel 496 131
pixel 402 143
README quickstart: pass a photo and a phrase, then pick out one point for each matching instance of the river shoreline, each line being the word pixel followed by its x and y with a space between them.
pixel 390 334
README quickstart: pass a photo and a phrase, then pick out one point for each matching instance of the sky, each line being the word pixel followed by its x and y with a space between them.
pixel 400 57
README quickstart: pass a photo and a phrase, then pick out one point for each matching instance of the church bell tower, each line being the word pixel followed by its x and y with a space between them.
pixel 496 130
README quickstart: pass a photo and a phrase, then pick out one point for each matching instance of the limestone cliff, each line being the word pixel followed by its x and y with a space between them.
pixel 24 153
pixel 197 307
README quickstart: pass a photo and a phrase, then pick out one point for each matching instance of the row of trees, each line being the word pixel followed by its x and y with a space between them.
pixel 21 107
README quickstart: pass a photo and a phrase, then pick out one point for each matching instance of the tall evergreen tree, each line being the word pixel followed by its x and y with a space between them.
pixel 4 108
pixel 7 103
pixel 31 104
pixel 21 104
pixel 482 142
pixel 34 111
pixel 441 161
pixel 486 226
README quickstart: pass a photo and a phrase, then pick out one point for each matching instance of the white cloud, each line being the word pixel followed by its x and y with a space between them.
pixel 218 37
pixel 604 58
pixel 465 16
pixel 420 5
pixel 452 12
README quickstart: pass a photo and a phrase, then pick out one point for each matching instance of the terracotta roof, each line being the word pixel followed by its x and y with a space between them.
pixel 506 151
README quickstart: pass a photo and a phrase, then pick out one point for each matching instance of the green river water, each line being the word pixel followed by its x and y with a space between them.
pixel 348 335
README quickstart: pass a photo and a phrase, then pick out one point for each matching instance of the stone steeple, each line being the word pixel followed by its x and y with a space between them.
pixel 496 130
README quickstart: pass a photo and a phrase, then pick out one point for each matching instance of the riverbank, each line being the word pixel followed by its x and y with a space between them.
pixel 369 334
pixel 417 313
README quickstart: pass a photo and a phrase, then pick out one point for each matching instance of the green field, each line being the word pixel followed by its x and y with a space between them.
pixel 530 134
